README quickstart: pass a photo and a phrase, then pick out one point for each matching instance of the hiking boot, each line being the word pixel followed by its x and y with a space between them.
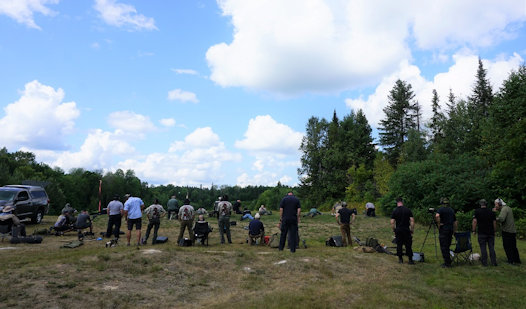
pixel 411 262
pixel 400 260
pixel 445 265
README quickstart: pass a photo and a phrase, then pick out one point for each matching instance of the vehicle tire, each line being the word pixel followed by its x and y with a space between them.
pixel 37 218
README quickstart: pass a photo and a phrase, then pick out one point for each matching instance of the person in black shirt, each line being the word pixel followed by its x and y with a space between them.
pixel 256 230
pixel 344 220
pixel 403 225
pixel 289 212
pixel 487 224
pixel 447 223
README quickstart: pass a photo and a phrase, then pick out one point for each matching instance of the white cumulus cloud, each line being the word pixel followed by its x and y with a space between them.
pixel 97 152
pixel 264 134
pixel 296 46
pixel 460 78
pixel 193 161
pixel 123 15
pixel 183 96
pixel 130 122
pixel 167 122
pixel 39 119
pixel 22 10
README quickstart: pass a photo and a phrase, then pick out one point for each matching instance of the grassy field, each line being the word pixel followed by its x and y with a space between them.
pixel 243 276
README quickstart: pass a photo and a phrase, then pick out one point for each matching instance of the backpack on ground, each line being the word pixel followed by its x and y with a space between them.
pixel 334 241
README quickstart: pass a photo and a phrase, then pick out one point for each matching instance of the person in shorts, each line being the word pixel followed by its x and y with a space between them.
pixel 133 215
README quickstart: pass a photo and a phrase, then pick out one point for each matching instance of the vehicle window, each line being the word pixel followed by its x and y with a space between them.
pixel 23 196
pixel 38 194
pixel 7 195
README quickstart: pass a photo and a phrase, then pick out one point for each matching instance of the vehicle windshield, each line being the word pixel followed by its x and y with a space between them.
pixel 7 195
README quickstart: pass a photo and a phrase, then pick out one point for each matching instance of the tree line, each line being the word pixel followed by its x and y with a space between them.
pixel 80 187
pixel 475 148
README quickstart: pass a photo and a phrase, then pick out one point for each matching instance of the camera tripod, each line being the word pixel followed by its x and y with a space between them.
pixel 432 225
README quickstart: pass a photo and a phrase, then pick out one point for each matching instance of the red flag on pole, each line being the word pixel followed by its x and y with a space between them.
pixel 100 192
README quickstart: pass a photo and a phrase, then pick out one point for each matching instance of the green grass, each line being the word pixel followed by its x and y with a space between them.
pixel 243 276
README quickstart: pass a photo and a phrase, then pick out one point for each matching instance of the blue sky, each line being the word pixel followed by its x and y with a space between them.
pixel 206 92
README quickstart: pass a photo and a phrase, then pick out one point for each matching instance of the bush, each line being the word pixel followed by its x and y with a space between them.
pixel 465 220
pixel 464 180
pixel 520 225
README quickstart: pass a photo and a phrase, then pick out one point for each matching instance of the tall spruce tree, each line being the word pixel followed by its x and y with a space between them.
pixel 333 161
pixel 399 119
pixel 436 123
pixel 311 170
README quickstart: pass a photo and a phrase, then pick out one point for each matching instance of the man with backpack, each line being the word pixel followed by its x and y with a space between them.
pixel 154 213
pixel 186 217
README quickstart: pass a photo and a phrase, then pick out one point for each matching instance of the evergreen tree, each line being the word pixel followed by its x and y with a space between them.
pixel 437 120
pixel 333 162
pixel 312 148
pixel 504 138
pixel 399 119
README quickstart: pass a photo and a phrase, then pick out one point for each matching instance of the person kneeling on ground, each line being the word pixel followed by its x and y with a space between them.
pixel 154 212
pixel 84 222
pixel 370 210
pixel 256 230
pixel 7 214
pixel 313 212
pixel 61 225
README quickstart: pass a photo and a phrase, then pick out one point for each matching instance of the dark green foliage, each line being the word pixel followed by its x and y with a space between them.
pixel 329 150
pixel 399 119
pixel 436 124
pixel 80 187
pixel 464 180
pixel 464 219
pixel 504 136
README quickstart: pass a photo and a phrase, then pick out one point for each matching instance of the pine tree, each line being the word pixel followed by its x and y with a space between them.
pixel 399 119
pixel 436 123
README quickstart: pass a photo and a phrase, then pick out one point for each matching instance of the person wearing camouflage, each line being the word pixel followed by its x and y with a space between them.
pixel 225 209
pixel 154 212
pixel 186 217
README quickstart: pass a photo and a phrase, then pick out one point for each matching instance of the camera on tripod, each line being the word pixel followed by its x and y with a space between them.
pixel 431 210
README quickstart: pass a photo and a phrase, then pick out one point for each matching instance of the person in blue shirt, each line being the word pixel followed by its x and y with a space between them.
pixel 133 208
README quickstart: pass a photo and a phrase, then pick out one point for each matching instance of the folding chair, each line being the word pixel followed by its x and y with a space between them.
pixel 201 231
pixel 463 248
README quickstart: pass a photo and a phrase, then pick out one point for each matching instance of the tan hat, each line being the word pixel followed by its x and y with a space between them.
pixel 8 209
pixel 257 216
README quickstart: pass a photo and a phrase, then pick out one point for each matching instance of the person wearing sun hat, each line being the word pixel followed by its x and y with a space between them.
pixel 7 214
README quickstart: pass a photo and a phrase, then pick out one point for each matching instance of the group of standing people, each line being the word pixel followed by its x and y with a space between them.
pixel 484 224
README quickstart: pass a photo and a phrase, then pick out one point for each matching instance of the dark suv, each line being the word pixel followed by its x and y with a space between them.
pixel 29 201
